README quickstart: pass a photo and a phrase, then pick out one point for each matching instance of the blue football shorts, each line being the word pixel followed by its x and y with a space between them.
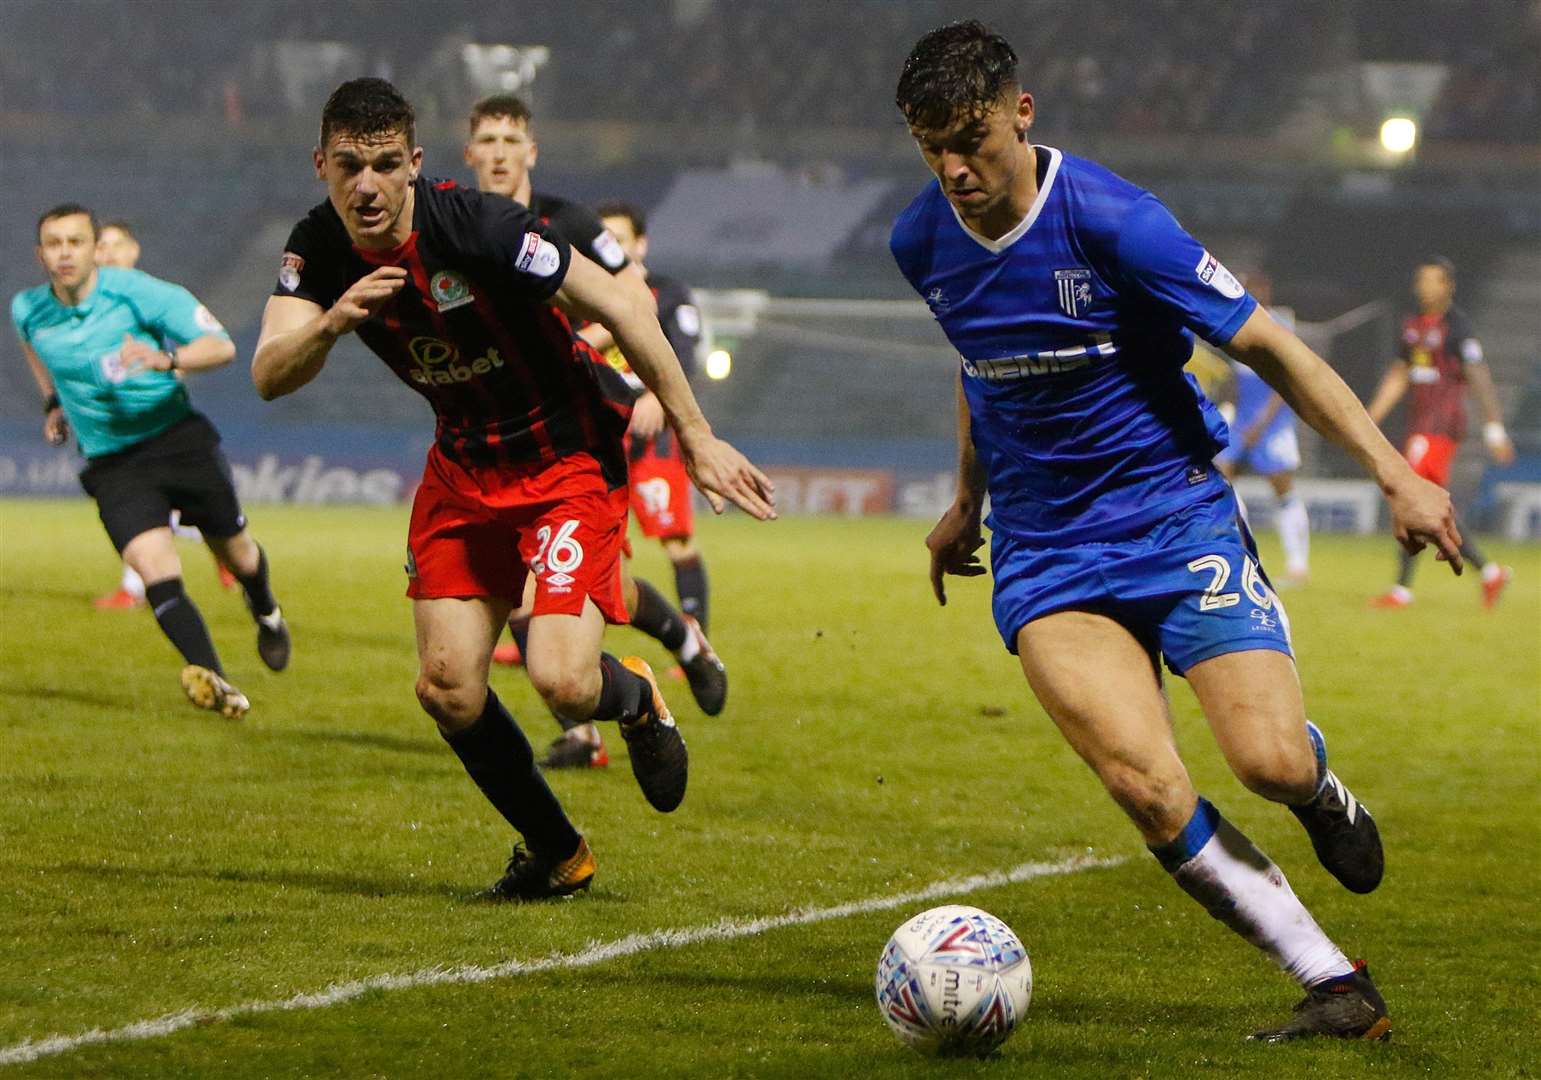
pixel 1276 452
pixel 1190 589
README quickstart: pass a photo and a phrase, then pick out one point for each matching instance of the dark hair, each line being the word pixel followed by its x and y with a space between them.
pixel 957 71
pixel 509 105
pixel 622 208
pixel 367 107
pixel 1440 261
pixel 122 226
pixel 68 209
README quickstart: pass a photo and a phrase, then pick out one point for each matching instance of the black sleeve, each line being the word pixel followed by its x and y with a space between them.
pixel 1463 341
pixel 311 267
pixel 534 256
pixel 681 321
pixel 586 233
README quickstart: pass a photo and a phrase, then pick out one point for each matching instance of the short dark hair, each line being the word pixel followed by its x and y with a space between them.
pixel 69 209
pixel 122 226
pixel 1440 261
pixel 367 107
pixel 622 208
pixel 957 71
pixel 509 105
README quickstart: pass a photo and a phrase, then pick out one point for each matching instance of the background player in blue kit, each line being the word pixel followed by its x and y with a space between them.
pixel 1072 297
pixel 105 345
pixel 1263 441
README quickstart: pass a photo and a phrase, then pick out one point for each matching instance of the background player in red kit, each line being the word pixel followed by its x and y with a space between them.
pixel 1438 357
pixel 660 489
pixel 453 289
pixel 501 148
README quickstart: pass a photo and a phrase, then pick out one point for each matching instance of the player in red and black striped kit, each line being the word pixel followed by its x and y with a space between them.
pixel 1438 357
pixel 454 290
pixel 660 490
pixel 501 149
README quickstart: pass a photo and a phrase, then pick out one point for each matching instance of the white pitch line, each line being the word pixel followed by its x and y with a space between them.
pixel 596 953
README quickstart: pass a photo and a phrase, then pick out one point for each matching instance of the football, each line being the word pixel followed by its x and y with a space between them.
pixel 954 981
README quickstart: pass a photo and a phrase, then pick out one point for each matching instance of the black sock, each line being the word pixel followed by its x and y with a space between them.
pixel 657 618
pixel 1405 567
pixel 181 623
pixel 498 758
pixel 622 693
pixel 1469 549
pixel 259 594
pixel 519 630
pixel 690 584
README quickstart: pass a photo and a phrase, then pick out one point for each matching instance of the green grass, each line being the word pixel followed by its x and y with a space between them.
pixel 154 858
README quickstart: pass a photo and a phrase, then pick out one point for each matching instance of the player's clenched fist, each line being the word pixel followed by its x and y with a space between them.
pixel 364 297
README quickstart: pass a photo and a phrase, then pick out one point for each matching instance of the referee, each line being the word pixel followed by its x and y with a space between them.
pixel 107 346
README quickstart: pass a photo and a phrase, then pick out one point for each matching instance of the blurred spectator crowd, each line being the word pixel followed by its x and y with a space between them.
pixel 1116 66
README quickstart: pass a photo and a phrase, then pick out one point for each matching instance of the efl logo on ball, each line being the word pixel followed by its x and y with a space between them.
pixel 954 980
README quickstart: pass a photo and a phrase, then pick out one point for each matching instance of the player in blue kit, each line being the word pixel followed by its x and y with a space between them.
pixel 1263 441
pixel 105 345
pixel 1072 297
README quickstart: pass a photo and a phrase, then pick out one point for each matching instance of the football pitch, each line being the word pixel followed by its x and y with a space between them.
pixel 290 895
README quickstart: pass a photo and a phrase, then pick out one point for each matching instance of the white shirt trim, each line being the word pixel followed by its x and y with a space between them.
pixel 995 247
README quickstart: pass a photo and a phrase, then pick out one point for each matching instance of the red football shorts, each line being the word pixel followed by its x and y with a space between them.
pixel 1430 456
pixel 660 497
pixel 480 530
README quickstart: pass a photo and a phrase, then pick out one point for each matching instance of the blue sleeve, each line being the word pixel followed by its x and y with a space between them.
pixel 905 250
pixel 1162 263
pixel 172 313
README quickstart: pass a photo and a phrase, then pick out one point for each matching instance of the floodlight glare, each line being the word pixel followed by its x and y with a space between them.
pixel 1399 134
pixel 719 364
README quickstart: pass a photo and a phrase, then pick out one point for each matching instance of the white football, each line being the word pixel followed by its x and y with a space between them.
pixel 954 981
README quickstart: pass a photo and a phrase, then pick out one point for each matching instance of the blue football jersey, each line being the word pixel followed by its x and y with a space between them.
pixel 1073 329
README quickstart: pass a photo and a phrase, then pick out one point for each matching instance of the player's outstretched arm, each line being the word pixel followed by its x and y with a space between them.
pixel 1421 512
pixel 625 307
pixel 297 333
pixel 955 540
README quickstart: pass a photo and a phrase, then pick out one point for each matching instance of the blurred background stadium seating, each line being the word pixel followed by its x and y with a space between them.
pixel 762 137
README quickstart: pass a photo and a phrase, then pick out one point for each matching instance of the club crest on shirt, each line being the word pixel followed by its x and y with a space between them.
pixel 937 301
pixel 289 268
pixel 1075 290
pixel 449 290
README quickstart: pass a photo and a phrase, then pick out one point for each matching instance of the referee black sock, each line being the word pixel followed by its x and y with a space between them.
pixel 1469 549
pixel 657 618
pixel 623 694
pixel 1405 567
pixel 498 758
pixel 181 622
pixel 259 594
pixel 690 584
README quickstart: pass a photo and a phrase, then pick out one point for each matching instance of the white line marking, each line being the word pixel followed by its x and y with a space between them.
pixel 596 953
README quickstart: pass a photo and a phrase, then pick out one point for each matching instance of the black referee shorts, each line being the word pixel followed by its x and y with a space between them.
pixel 182 468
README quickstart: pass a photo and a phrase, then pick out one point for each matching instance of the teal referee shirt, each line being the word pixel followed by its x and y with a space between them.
pixel 109 409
